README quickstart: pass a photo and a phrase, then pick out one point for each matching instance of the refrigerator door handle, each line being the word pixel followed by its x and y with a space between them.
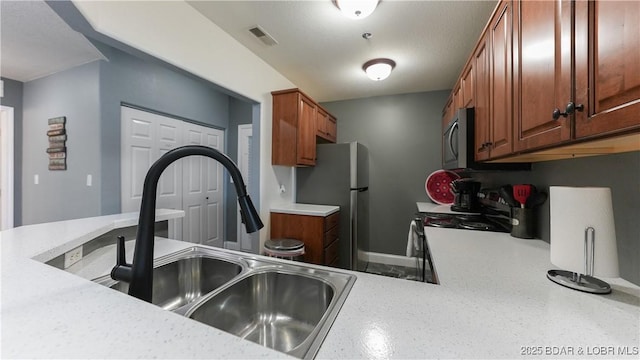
pixel 361 189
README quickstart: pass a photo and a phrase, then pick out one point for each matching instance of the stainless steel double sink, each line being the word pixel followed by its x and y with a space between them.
pixel 285 306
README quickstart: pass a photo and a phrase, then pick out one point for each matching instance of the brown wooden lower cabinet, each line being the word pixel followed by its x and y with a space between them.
pixel 319 234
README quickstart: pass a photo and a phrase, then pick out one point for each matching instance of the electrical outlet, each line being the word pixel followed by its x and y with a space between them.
pixel 72 257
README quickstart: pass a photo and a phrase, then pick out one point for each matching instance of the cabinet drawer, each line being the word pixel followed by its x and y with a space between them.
pixel 331 235
pixel 331 253
pixel 331 221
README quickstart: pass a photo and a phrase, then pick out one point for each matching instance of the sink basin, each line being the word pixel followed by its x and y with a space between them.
pixel 274 309
pixel 184 277
pixel 289 309
pixel 182 281
pixel 283 305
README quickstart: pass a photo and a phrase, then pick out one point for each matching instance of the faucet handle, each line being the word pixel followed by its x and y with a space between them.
pixel 122 270
pixel 121 258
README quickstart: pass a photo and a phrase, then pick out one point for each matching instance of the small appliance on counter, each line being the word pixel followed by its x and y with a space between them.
pixel 465 192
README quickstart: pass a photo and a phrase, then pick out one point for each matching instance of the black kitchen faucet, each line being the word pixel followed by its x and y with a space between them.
pixel 139 274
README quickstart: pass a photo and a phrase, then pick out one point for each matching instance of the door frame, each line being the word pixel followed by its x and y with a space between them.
pixel 6 161
pixel 245 133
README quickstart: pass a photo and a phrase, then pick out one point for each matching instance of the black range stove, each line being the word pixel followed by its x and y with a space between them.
pixel 481 222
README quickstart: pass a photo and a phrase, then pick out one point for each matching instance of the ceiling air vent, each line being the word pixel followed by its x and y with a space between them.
pixel 262 35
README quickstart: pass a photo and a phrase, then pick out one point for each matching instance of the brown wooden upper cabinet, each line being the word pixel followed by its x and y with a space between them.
pixel 603 99
pixel 500 82
pixel 480 62
pixel 555 79
pixel 326 126
pixel 542 73
pixel 492 62
pixel 457 97
pixel 297 119
pixel 607 63
pixel 468 86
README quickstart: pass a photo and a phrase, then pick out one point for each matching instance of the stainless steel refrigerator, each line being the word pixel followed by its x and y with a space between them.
pixel 341 177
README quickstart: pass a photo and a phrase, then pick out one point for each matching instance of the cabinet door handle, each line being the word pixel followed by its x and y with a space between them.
pixel 485 146
pixel 557 113
pixel 571 108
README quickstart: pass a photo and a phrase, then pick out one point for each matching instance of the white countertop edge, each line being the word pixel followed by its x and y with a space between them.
pixel 305 209
pixel 49 240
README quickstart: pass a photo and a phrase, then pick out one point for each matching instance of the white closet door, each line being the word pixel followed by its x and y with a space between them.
pixel 137 154
pixel 144 138
pixel 193 184
pixel 203 188
pixel 169 194
pixel 193 191
pixel 214 195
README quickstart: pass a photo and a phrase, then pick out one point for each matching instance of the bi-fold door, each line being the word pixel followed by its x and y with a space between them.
pixel 193 184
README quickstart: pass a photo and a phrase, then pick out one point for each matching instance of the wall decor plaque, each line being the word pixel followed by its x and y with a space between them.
pixel 57 150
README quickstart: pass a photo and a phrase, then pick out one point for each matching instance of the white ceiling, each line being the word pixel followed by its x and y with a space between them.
pixel 322 51
pixel 318 49
pixel 36 42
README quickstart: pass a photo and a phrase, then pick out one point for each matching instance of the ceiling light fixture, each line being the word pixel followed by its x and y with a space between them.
pixel 378 69
pixel 356 9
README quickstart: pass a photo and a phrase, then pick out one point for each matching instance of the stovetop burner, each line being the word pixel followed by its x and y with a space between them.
pixel 438 216
pixel 442 223
pixel 469 217
pixel 476 225
pixel 465 221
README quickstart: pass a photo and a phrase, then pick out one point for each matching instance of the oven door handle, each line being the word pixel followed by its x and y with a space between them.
pixel 450 140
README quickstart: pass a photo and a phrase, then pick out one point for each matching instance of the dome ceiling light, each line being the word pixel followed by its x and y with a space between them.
pixel 378 69
pixel 356 9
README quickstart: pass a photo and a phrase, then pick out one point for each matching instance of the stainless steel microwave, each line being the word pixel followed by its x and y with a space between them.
pixel 458 144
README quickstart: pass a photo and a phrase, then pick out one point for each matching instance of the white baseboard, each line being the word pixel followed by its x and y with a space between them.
pixel 388 259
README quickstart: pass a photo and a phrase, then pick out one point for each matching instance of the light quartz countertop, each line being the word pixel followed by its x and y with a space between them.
pixel 494 301
pixel 305 209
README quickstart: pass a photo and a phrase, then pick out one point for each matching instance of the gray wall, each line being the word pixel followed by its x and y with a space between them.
pixel 13 98
pixel 62 195
pixel 128 79
pixel 620 172
pixel 240 113
pixel 90 97
pixel 403 136
pixel 402 133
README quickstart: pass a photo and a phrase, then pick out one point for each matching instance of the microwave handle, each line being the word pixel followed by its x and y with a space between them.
pixel 453 151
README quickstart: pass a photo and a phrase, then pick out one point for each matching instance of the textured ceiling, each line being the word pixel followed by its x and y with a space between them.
pixel 35 42
pixel 318 49
pixel 322 51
